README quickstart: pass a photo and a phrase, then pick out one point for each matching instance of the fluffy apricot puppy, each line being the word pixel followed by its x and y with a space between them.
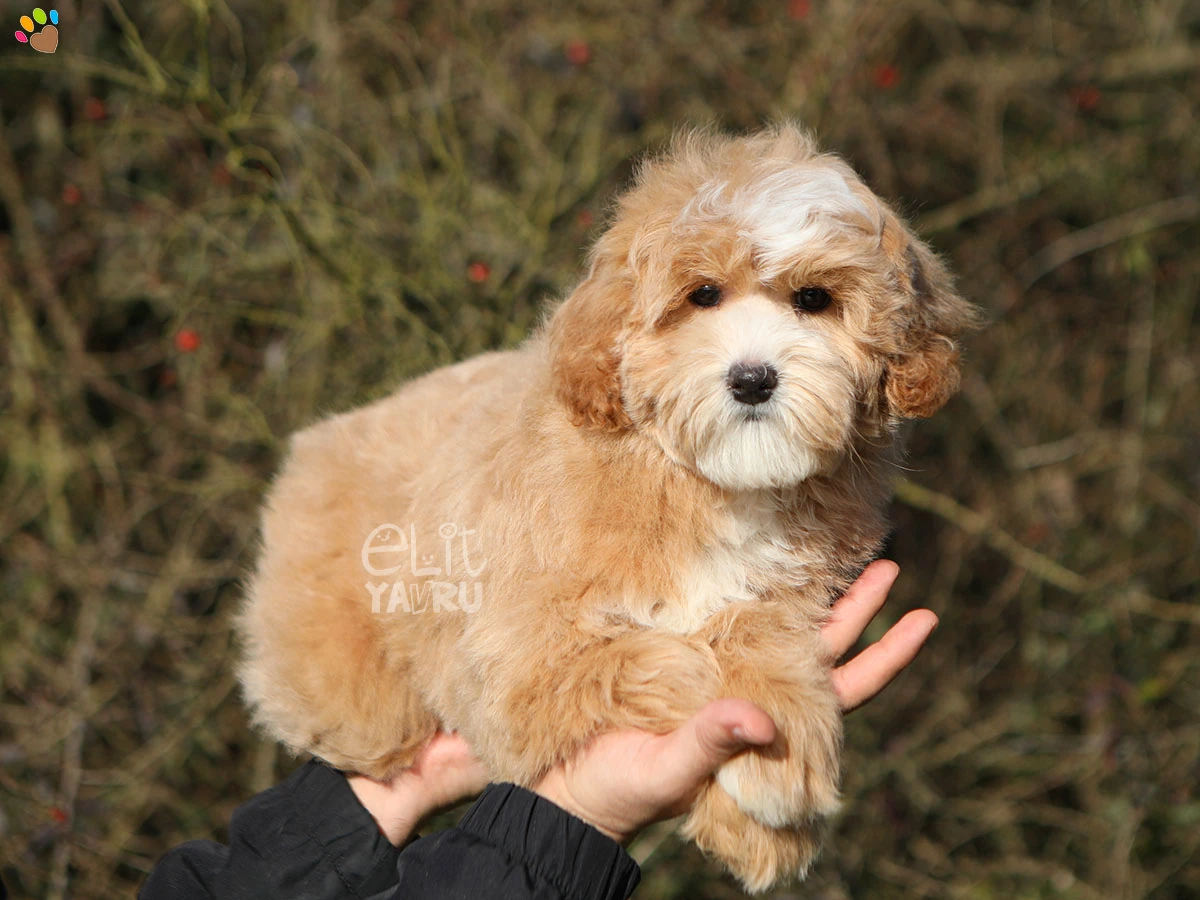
pixel 647 506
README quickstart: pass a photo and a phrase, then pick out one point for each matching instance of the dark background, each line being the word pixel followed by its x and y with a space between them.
pixel 220 219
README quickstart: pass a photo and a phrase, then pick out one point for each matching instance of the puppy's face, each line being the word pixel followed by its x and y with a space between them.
pixel 759 312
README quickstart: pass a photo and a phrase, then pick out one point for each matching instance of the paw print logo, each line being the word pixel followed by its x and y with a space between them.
pixel 46 40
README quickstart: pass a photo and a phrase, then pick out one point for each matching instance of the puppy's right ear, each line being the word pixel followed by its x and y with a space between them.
pixel 585 357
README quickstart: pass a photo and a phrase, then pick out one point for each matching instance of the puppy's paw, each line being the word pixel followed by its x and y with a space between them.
pixel 797 778
pixel 759 856
pixel 663 679
pixel 648 680
pixel 778 792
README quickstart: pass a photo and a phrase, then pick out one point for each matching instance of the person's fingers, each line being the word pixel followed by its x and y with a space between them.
pixel 719 731
pixel 871 671
pixel 446 771
pixel 853 612
pixel 446 748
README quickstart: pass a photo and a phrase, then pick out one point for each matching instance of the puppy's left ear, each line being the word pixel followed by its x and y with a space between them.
pixel 924 373
pixel 585 356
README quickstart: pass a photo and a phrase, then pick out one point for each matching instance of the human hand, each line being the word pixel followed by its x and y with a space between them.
pixel 626 780
pixel 860 679
pixel 444 772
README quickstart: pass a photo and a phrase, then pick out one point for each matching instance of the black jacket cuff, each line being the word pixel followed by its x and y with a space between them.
pixel 574 857
pixel 324 811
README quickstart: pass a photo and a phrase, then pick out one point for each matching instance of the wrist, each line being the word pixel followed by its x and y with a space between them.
pixel 555 789
pixel 396 806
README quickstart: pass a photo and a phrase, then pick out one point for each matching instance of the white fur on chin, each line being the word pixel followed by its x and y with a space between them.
pixel 804 426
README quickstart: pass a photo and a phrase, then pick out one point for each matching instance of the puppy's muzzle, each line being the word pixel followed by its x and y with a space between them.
pixel 752 384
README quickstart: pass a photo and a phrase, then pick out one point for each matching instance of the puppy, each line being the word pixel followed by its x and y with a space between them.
pixel 647 506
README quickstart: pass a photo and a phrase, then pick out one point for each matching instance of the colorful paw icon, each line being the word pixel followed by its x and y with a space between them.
pixel 46 40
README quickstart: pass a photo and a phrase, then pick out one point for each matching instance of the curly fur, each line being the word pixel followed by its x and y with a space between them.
pixel 649 544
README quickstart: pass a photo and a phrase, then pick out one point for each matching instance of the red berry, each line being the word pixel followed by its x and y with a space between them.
pixel 1086 98
pixel 58 814
pixel 478 272
pixel 886 76
pixel 1036 533
pixel 94 109
pixel 187 340
pixel 578 52
pixel 71 195
pixel 799 9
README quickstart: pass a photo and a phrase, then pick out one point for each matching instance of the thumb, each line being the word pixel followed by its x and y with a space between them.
pixel 721 730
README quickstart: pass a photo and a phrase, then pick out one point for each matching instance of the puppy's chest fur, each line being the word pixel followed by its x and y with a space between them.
pixel 752 553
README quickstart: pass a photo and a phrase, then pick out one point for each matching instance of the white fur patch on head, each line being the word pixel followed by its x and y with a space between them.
pixel 790 210
pixel 787 209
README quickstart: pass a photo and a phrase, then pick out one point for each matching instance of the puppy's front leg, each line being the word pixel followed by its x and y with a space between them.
pixel 541 711
pixel 763 815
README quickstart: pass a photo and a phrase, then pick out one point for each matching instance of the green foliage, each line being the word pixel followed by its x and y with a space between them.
pixel 221 219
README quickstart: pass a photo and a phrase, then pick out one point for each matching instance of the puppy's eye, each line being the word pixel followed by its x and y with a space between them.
pixel 706 295
pixel 811 299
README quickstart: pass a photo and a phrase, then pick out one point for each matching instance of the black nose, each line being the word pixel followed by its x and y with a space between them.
pixel 752 384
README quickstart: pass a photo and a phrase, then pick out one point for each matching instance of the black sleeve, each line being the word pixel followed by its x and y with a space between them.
pixel 310 839
pixel 514 845
pixel 305 839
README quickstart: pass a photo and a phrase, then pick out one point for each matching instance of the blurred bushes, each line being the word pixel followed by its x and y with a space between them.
pixel 219 220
